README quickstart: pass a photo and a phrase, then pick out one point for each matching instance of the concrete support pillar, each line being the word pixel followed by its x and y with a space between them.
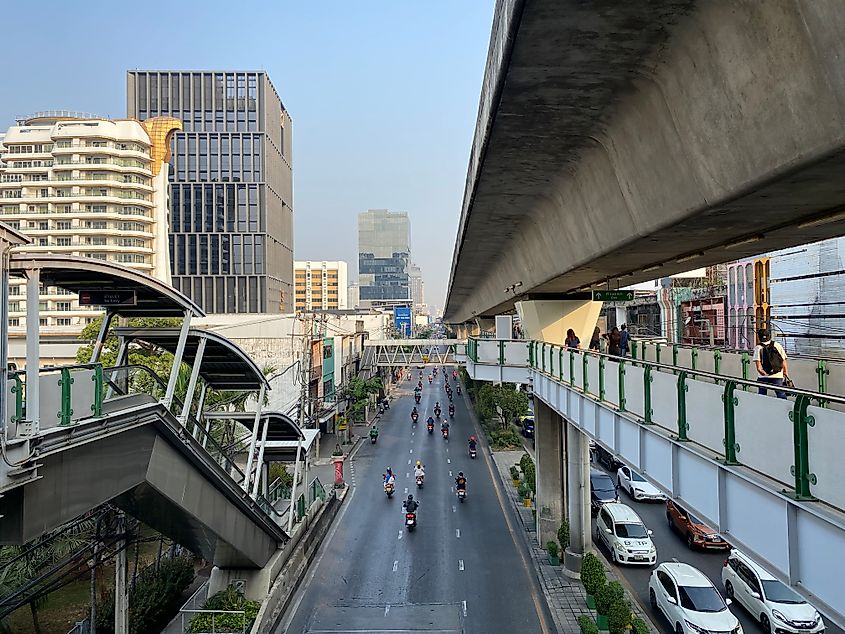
pixel 621 316
pixel 548 431
pixel 577 497
pixel 549 319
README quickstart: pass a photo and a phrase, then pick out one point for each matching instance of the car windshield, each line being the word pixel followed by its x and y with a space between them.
pixel 701 599
pixel 779 593
pixel 632 531
pixel 636 477
pixel 602 484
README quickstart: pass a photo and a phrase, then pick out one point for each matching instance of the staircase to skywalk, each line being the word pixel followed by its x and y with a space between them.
pixel 114 441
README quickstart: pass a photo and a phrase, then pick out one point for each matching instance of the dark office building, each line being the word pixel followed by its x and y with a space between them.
pixel 231 186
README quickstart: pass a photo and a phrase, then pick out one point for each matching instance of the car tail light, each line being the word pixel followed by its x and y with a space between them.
pixel 409 516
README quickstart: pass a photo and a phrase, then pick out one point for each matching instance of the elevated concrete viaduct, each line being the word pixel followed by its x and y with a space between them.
pixel 617 142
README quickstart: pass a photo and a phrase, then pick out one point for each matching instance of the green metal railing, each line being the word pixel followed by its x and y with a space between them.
pixel 88 393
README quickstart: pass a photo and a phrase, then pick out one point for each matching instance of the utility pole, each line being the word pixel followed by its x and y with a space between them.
pixel 121 591
pixel 305 370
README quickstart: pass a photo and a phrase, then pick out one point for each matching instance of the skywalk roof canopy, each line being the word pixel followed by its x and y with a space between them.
pixel 223 366
pixel 120 289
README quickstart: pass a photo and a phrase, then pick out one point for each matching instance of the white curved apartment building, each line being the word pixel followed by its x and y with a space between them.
pixel 87 186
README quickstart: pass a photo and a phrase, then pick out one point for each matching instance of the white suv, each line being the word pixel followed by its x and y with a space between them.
pixel 689 601
pixel 778 608
pixel 625 535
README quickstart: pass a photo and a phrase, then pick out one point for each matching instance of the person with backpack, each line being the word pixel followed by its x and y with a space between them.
pixel 771 362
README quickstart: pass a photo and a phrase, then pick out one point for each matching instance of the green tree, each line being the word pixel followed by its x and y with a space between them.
pixel 357 393
pixel 139 354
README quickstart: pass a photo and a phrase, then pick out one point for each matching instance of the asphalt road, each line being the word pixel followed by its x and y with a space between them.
pixel 465 568
pixel 670 545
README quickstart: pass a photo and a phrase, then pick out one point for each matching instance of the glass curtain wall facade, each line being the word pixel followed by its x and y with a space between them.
pixel 384 253
pixel 231 186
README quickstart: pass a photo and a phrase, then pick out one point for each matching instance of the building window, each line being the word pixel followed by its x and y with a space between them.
pixel 14 307
pixel 14 322
pixel 63 306
pixel 63 321
pixel 42 321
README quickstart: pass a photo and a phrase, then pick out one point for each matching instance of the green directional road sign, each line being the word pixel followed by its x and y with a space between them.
pixel 613 296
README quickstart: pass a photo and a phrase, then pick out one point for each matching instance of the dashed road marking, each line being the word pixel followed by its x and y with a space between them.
pixel 410 451
pixel 396 565
pixel 448 461
pixel 409 461
pixel 463 604
pixel 406 489
pixel 400 535
pixel 460 564
pixel 407 474
pixel 387 609
pixel 458 533
pixel 454 508
pixel 450 474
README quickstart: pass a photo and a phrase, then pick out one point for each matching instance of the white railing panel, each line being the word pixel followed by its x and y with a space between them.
pixel 488 351
pixel 825 454
pixel 605 426
pixel 706 362
pixel 593 374
pixel 684 357
pixel 567 376
pixel 634 395
pixel 705 415
pixel 611 382
pixel 764 434
pixel 516 353
pixel 731 365
pixel 515 375
pixel 82 394
pixel 664 400
pixel 628 439
pixel 50 399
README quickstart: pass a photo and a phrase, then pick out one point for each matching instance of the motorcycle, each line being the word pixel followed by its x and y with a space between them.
pixel 414 418
pixel 459 390
pixel 429 380
pixel 410 521
pixel 388 489
pixel 462 495
pixel 431 428
pixel 373 438
pixel 417 398
pixel 445 433
pixel 420 481
pixel 437 412
pixel 473 453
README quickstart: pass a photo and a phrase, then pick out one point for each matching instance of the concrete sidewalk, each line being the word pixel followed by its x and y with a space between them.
pixel 566 597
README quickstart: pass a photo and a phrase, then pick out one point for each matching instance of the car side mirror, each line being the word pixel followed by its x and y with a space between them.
pixel 755 595
pixel 672 600
pixel 608 531
pixel 728 601
pixel 650 532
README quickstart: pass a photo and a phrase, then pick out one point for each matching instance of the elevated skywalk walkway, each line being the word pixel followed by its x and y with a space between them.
pixel 767 473
pixel 75 437
pixel 415 352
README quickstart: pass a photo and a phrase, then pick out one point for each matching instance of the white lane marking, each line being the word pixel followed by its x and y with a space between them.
pixel 463 603
pixel 410 451
pixel 458 533
pixel 400 535
pixel 448 461
pixel 409 461
pixel 407 474
pixel 452 489
pixel 460 564
pixel 406 489
pixel 396 565
pixel 450 474
pixel 413 432
pixel 454 508
pixel 387 609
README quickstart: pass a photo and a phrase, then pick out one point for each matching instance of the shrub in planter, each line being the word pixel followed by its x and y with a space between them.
pixel 587 625
pixel 639 626
pixel 592 574
pixel 563 534
pixel 228 599
pixel 618 616
pixel 552 548
pixel 608 595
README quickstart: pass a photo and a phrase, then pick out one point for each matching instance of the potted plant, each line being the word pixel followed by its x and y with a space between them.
pixel 593 577
pixel 639 626
pixel 515 475
pixel 525 494
pixel 563 534
pixel 587 625
pixel 552 548
pixel 606 597
pixel 618 616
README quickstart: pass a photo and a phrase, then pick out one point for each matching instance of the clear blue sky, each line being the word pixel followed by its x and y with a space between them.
pixel 383 94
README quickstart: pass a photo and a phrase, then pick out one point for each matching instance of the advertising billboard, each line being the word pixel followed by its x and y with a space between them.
pixel 402 320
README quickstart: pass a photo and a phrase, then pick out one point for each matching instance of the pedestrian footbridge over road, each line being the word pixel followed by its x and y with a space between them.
pixel 767 473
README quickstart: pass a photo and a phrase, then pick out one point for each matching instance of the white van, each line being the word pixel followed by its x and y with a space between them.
pixel 625 535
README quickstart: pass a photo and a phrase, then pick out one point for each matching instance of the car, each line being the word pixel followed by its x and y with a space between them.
pixel 637 486
pixel 689 600
pixel 625 535
pixel 604 457
pixel 693 530
pixel 602 490
pixel 527 427
pixel 778 607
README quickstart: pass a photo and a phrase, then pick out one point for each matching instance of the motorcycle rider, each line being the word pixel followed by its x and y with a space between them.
pixel 445 425
pixel 410 505
pixel 451 409
pixel 473 443
pixel 459 389
pixel 389 478
pixel 460 482
pixel 429 421
pixel 374 432
pixel 419 470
